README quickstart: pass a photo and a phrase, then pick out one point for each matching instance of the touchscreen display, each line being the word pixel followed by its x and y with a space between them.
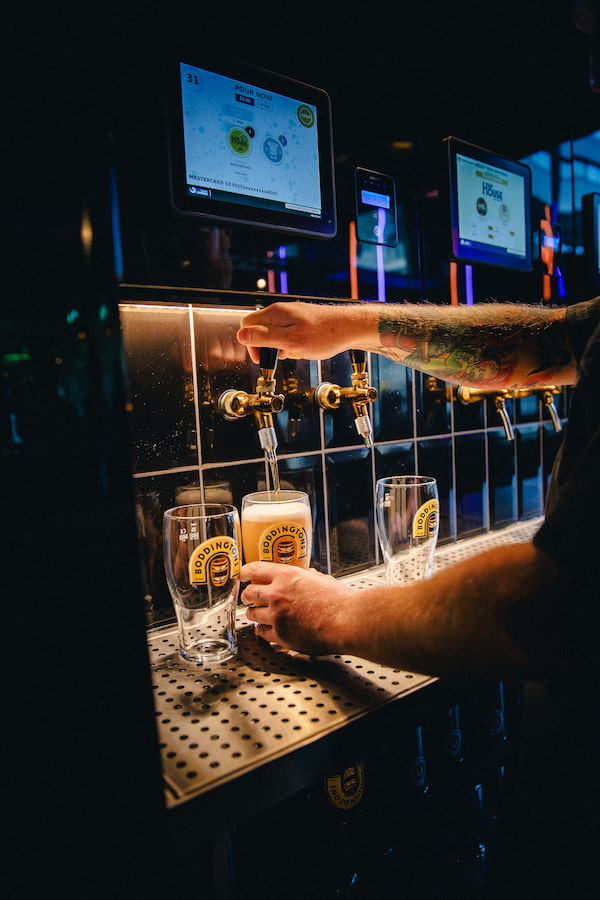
pixel 490 207
pixel 250 146
pixel 375 201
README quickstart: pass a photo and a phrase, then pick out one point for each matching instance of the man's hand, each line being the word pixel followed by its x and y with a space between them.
pixel 300 609
pixel 307 330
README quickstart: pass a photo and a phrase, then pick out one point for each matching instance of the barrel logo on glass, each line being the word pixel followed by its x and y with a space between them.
pixel 283 543
pixel 425 520
pixel 214 562
pixel 346 790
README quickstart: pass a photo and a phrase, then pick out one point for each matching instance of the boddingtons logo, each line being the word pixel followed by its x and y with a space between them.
pixel 214 562
pixel 283 543
pixel 426 519
pixel 346 790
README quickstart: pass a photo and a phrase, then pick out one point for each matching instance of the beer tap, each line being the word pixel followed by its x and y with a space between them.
pixel 468 395
pixel 547 393
pixel 361 393
pixel 263 403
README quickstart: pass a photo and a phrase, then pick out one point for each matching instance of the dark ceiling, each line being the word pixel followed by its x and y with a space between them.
pixel 511 76
pixel 510 73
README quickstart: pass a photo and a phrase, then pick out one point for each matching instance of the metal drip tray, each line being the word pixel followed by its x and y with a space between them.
pixel 216 723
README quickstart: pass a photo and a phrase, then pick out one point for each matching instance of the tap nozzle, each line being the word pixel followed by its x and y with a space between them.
pixel 500 404
pixel 266 431
pixel 548 400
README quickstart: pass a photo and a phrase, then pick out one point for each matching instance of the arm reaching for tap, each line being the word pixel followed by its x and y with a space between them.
pixel 485 617
pixel 489 345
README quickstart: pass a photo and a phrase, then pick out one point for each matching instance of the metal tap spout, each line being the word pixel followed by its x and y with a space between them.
pixel 547 393
pixel 548 400
pixel 500 404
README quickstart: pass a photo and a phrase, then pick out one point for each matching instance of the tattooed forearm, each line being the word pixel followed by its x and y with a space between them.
pixel 492 344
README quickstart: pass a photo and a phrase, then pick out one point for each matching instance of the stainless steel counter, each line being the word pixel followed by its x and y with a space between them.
pixel 218 723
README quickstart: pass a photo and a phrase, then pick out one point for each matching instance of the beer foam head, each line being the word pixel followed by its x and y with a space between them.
pixel 269 512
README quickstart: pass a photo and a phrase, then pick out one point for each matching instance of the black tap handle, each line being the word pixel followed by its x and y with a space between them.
pixel 358 356
pixel 268 357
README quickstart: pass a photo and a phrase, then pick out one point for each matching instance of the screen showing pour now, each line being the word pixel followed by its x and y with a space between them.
pixel 249 145
pixel 491 208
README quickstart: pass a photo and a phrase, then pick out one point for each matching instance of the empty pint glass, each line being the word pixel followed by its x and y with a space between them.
pixel 407 517
pixel 202 565
pixel 277 527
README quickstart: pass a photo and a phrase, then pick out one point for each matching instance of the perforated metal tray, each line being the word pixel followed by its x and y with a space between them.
pixel 216 723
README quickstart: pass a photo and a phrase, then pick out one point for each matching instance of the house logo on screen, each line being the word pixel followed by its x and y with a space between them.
pixel 239 141
pixel 488 190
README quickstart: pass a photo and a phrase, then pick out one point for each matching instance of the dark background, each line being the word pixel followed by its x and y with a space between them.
pixel 512 76
pixel 84 86
pixel 81 84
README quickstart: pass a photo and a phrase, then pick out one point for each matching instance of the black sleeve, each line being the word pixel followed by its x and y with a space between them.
pixel 582 319
pixel 571 531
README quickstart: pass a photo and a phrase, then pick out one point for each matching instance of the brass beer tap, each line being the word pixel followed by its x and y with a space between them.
pixel 359 395
pixel 468 395
pixel 262 404
pixel 547 394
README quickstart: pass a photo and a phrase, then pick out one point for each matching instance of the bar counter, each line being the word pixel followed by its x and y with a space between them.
pixel 248 733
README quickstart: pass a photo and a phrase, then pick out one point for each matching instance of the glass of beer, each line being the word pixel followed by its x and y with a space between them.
pixel 277 527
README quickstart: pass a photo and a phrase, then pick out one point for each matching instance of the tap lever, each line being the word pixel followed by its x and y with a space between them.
pixel 265 383
pixel 268 358
pixel 358 357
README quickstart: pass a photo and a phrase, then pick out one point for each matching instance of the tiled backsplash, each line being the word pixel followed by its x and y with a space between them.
pixel 181 354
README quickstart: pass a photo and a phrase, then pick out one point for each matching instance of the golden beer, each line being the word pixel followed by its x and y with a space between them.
pixel 277 527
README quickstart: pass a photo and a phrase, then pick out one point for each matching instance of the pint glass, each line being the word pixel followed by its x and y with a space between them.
pixel 277 527
pixel 202 564
pixel 407 517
